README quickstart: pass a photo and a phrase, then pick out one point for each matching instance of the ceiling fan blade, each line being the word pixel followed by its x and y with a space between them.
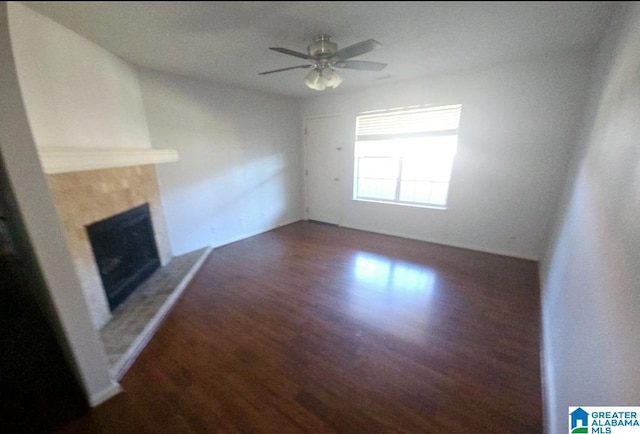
pixel 362 65
pixel 290 52
pixel 286 69
pixel 357 49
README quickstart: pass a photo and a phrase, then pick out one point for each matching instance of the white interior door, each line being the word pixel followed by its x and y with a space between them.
pixel 325 158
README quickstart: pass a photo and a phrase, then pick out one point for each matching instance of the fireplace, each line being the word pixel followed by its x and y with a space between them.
pixel 125 251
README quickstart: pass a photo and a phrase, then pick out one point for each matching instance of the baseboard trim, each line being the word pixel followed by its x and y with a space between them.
pixel 98 398
pixel 261 231
pixel 444 243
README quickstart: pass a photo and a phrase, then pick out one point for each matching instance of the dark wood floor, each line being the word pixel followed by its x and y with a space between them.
pixel 314 328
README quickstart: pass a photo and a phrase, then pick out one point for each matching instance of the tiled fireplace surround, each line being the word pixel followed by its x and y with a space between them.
pixel 88 196
pixel 84 197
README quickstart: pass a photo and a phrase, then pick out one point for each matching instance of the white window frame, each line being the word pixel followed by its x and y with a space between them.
pixel 415 122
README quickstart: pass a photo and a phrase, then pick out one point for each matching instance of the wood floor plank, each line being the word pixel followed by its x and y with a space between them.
pixel 314 328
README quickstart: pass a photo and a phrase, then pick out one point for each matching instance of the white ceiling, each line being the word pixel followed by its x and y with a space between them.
pixel 228 42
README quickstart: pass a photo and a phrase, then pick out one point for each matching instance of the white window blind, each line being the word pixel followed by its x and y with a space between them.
pixel 441 120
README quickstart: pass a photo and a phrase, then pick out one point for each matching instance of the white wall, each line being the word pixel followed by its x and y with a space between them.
pixel 76 93
pixel 591 274
pixel 518 122
pixel 239 169
pixel 44 229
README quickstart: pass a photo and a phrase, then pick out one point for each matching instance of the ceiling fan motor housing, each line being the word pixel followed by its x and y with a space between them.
pixel 322 46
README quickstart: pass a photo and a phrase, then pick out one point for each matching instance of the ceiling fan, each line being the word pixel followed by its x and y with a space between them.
pixel 324 56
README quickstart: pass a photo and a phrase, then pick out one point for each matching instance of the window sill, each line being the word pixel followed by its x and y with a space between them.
pixel 410 205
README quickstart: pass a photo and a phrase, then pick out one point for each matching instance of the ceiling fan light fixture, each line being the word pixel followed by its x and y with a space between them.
pixel 314 80
pixel 331 78
pixel 322 78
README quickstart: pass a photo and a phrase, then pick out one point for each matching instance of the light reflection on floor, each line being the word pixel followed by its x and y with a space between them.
pixel 391 295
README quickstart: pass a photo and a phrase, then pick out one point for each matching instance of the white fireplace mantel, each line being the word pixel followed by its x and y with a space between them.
pixel 75 159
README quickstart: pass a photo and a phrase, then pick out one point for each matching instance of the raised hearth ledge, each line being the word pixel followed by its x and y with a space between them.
pixel 73 159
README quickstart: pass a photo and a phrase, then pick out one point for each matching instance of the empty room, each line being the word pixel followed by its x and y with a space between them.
pixel 364 217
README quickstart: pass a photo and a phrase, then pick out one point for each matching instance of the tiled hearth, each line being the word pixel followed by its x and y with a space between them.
pixel 137 318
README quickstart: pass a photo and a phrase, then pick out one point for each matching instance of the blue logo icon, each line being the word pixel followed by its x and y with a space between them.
pixel 579 421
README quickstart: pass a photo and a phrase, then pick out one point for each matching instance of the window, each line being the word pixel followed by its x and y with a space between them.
pixel 405 155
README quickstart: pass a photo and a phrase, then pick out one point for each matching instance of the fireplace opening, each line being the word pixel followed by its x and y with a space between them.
pixel 125 250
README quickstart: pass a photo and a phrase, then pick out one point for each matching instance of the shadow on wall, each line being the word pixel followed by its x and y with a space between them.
pixel 237 201
pixel 239 159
